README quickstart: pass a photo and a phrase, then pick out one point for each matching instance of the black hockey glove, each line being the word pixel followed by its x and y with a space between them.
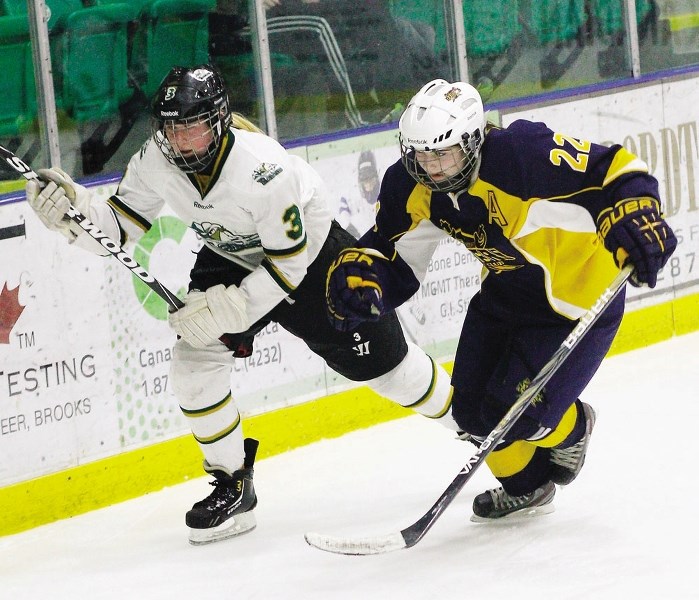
pixel 353 290
pixel 633 231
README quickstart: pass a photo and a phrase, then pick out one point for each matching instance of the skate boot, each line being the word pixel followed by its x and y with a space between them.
pixel 498 504
pixel 227 511
pixel 567 462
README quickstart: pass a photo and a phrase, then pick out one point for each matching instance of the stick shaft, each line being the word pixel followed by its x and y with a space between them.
pixel 107 243
pixel 411 535
pixel 414 533
pixel 110 245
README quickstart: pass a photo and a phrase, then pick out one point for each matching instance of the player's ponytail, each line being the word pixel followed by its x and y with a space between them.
pixel 240 122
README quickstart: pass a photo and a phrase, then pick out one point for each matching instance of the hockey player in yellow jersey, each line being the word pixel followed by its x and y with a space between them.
pixel 552 219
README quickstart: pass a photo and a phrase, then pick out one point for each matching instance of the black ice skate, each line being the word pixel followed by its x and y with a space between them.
pixel 567 462
pixel 498 504
pixel 228 509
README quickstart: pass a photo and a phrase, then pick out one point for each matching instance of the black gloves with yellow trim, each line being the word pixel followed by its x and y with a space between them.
pixel 353 290
pixel 634 231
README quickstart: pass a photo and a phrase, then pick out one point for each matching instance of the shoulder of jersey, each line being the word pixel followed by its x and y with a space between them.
pixel 520 141
pixel 397 179
pixel 149 154
pixel 397 171
pixel 520 136
pixel 259 158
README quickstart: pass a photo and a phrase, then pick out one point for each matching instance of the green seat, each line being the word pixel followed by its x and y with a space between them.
pixel 94 61
pixel 492 29
pixel 171 32
pixel 609 17
pixel 58 10
pixel 558 26
pixel 556 21
pixel 610 14
pixel 18 106
pixel 58 13
pixel 491 26
pixel 179 34
pixel 430 12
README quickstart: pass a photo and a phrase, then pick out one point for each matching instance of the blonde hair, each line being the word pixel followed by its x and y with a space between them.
pixel 240 122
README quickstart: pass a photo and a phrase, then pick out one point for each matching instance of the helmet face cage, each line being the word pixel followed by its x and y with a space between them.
pixel 190 153
pixel 465 154
pixel 190 117
pixel 441 133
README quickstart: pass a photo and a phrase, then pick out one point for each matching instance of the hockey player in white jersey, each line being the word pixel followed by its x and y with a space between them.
pixel 269 240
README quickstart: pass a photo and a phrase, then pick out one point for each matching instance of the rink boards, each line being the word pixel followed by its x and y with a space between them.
pixel 87 416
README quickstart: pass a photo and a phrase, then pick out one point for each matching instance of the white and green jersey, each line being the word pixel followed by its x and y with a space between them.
pixel 260 207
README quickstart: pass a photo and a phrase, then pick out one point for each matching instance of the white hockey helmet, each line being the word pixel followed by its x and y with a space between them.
pixel 440 116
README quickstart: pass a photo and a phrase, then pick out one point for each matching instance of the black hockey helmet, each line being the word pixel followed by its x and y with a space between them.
pixel 190 96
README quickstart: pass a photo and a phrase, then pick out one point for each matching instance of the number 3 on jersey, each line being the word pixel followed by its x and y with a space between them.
pixel 292 216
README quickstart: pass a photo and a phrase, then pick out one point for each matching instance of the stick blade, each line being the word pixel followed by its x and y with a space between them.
pixel 356 546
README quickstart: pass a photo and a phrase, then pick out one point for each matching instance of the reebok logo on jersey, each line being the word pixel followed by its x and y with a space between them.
pixel 203 206
pixel 265 172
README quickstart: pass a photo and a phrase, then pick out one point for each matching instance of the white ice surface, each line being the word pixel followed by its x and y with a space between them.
pixel 628 527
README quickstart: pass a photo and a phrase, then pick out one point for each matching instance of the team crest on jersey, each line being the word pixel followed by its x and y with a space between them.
pixel 477 242
pixel 226 240
pixel 452 94
pixel 265 172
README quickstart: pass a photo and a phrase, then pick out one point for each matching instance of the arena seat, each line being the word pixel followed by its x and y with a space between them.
pixel 18 106
pixel 492 29
pixel 558 26
pixel 609 14
pixel 94 61
pixel 610 23
pixel 170 32
pixel 58 10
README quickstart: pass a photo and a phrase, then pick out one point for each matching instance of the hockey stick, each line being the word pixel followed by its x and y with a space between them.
pixel 110 245
pixel 411 535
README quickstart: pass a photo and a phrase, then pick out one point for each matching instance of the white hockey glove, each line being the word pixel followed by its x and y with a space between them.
pixel 206 316
pixel 52 202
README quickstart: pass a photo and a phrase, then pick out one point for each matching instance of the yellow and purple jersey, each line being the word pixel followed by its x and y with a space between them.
pixel 530 218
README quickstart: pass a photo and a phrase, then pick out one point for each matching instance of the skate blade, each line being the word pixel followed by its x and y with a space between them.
pixel 236 525
pixel 520 515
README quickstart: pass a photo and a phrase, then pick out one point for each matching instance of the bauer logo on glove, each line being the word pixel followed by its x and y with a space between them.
pixel 353 290
pixel 633 231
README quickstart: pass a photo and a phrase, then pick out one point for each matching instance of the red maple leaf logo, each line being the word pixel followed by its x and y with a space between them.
pixel 10 310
